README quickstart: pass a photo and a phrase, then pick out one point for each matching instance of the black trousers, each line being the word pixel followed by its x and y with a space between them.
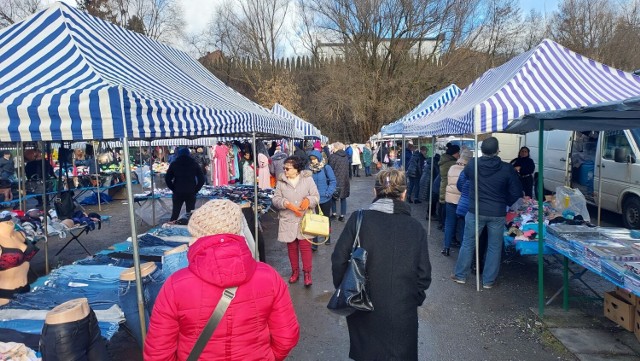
pixel 527 185
pixel 178 199
pixel 77 340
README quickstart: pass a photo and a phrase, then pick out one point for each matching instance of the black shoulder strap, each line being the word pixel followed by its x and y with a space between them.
pixel 356 241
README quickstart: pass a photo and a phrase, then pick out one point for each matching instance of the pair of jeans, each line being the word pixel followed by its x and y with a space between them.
pixel 77 340
pixel 104 260
pixel 367 170
pixel 495 227
pixel 189 199
pixel 148 240
pixel 172 231
pixel 128 301
pixel 343 206
pixel 453 225
pixel 174 262
pixel 413 194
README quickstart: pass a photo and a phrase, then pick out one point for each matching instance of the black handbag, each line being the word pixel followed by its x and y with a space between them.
pixel 336 194
pixel 352 293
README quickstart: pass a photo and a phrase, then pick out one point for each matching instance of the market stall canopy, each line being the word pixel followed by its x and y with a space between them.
pixel 621 114
pixel 66 75
pixel 307 129
pixel 549 77
pixel 430 104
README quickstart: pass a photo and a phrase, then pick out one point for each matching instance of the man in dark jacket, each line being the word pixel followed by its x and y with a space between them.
pixel 7 168
pixel 498 187
pixel 414 172
pixel 185 178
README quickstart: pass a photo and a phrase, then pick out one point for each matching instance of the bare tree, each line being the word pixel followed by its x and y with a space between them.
pixel 533 30
pixel 584 26
pixel 158 19
pixel 12 11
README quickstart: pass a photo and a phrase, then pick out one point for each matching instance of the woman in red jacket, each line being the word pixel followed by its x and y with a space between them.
pixel 260 323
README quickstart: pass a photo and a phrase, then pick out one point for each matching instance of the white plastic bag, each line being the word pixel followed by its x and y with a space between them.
pixel 573 200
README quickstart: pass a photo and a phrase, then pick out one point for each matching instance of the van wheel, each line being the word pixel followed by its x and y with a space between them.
pixel 631 213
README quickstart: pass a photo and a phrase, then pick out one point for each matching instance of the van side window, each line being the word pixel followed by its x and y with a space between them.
pixel 615 139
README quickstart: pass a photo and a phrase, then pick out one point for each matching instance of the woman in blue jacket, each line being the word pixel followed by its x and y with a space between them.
pixel 325 180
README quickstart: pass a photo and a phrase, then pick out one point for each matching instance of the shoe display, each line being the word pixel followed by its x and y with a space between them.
pixel 295 274
pixel 446 252
pixel 458 280
pixel 307 279
pixel 341 219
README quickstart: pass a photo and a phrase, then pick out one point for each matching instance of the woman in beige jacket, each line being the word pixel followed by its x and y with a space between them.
pixel 454 224
pixel 296 193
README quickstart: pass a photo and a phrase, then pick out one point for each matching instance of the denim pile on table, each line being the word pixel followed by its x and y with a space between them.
pixel 98 279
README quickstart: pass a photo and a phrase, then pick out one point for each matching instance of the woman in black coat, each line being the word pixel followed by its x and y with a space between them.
pixel 525 167
pixel 398 270
pixel 340 163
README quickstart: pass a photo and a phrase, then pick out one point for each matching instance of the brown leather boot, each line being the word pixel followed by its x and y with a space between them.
pixel 295 274
pixel 307 279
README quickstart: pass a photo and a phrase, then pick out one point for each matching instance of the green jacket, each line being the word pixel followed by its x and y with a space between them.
pixel 367 156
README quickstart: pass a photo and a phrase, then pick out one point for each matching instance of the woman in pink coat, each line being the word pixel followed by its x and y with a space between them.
pixel 296 193
pixel 260 323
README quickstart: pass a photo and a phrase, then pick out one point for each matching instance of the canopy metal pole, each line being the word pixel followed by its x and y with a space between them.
pixel 600 179
pixel 96 146
pixel 255 199
pixel 433 155
pixel 477 212
pixel 404 156
pixel 541 220
pixel 153 184
pixel 134 238
pixel 20 173
pixel 44 207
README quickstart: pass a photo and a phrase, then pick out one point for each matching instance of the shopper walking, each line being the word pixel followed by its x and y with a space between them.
pixel 498 187
pixel 185 179
pixel 414 172
pixel 454 224
pixel 325 180
pixel 399 272
pixel 296 193
pixel 367 159
pixel 340 163
pixel 260 322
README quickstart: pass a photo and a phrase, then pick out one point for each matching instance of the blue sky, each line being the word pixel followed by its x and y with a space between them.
pixel 540 5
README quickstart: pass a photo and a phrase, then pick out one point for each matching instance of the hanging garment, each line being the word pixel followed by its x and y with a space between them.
pixel 264 176
pixel 220 155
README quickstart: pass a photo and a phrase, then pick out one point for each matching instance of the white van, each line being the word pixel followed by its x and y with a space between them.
pixel 572 158
pixel 509 144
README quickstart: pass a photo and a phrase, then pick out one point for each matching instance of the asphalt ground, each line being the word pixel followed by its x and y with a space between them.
pixel 456 322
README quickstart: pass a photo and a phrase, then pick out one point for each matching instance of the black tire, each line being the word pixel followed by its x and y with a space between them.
pixel 631 213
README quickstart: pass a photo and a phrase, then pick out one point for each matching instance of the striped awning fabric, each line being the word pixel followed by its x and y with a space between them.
pixel 546 78
pixel 307 129
pixel 430 104
pixel 66 75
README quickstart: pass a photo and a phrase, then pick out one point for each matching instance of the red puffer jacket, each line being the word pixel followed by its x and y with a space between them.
pixel 260 323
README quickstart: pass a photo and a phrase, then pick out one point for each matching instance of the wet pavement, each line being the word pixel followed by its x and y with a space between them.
pixel 456 322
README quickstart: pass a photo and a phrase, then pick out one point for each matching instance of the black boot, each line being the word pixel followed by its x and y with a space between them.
pixel 445 252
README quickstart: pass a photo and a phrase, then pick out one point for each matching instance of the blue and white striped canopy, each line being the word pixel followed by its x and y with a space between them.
pixel 307 129
pixel 431 103
pixel 548 77
pixel 66 75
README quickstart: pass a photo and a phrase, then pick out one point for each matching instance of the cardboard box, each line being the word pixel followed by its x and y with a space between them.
pixel 636 322
pixel 626 295
pixel 619 311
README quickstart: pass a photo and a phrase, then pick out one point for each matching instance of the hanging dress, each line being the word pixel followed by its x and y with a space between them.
pixel 221 162
pixel 264 176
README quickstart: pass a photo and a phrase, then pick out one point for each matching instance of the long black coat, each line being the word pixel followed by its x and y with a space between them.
pixel 184 176
pixel 399 272
pixel 340 163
